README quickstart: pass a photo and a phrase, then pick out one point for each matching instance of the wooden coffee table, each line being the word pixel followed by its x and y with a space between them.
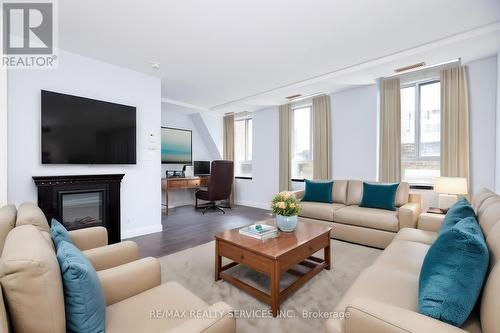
pixel 273 257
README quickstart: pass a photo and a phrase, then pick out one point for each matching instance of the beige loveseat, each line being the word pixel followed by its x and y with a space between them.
pixel 384 298
pixel 31 291
pixel 367 226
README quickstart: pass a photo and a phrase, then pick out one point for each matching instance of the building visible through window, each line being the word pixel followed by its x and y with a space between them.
pixel 302 159
pixel 243 147
pixel 420 132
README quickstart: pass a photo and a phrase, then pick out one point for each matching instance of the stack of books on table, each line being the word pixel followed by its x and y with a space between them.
pixel 260 231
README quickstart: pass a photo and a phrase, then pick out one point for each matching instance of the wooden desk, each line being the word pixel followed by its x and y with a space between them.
pixel 183 183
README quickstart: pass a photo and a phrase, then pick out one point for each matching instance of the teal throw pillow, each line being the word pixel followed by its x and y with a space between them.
pixel 83 297
pixel 460 210
pixel 58 233
pixel 318 191
pixel 453 273
pixel 382 196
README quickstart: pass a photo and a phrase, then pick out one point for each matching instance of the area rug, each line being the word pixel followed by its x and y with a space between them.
pixel 194 269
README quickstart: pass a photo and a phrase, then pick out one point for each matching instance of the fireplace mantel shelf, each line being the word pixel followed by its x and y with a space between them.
pixel 71 179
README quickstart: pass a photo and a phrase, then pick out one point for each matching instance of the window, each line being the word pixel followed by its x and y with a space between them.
pixel 420 132
pixel 243 147
pixel 302 166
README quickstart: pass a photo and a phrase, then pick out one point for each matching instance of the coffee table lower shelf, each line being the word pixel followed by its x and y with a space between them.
pixel 273 267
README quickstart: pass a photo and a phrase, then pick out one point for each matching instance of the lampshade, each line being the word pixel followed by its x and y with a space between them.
pixel 451 185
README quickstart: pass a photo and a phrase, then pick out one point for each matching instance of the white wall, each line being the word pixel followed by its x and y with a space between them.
pixel 354 133
pixel 482 77
pixel 259 190
pixel 182 119
pixel 81 76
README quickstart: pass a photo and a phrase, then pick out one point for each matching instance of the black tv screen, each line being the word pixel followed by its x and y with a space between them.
pixel 78 130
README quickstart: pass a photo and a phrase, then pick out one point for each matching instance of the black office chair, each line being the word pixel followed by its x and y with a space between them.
pixel 219 187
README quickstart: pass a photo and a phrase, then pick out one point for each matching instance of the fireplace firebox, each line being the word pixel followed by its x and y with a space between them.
pixel 82 201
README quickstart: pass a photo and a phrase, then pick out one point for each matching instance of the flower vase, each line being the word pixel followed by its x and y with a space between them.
pixel 286 223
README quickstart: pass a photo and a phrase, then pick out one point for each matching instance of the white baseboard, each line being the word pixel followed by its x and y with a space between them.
pixel 141 231
pixel 254 204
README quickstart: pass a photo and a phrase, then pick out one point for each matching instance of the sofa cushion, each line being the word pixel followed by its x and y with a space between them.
pixel 318 191
pixel 30 214
pixel 319 210
pixel 453 273
pixel 340 191
pixel 416 235
pixel 385 285
pixel 7 222
pixel 368 217
pixel 382 196
pixel 83 297
pixel 31 283
pixel 134 314
pixel 58 233
pixel 460 210
pixel 403 255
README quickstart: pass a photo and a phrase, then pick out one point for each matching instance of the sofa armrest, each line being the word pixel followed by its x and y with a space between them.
pixel 368 315
pixel 124 281
pixel 218 318
pixel 430 222
pixel 299 194
pixel 89 238
pixel 416 198
pixel 408 215
pixel 113 255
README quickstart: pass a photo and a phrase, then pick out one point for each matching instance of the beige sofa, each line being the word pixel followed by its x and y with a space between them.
pixel 31 291
pixel 367 226
pixel 384 298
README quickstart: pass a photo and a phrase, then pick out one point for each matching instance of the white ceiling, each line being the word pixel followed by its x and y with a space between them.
pixel 228 55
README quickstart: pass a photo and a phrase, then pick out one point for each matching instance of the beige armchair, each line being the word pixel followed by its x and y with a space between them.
pixel 32 297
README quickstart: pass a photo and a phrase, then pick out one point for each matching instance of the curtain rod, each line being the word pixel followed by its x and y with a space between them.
pixel 457 60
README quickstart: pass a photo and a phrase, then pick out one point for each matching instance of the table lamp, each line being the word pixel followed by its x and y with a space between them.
pixel 449 188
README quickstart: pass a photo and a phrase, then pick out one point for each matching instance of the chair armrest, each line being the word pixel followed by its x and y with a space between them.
pixel 368 315
pixel 430 222
pixel 124 281
pixel 113 255
pixel 408 215
pixel 218 318
pixel 89 238
pixel 299 194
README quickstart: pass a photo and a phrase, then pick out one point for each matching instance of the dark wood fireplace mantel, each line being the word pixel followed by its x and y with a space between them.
pixel 103 188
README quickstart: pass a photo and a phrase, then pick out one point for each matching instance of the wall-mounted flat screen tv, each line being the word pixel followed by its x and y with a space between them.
pixel 78 130
pixel 176 146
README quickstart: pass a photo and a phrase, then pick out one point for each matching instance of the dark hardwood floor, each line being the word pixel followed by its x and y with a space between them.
pixel 184 227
